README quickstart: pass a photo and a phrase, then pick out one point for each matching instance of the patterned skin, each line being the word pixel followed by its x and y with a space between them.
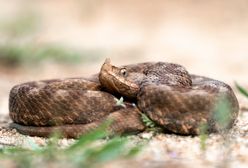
pixel 171 97
pixel 167 93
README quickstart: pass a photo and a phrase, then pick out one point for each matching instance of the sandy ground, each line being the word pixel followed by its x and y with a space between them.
pixel 208 37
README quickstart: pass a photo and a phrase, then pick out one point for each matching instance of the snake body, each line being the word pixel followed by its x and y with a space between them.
pixel 170 96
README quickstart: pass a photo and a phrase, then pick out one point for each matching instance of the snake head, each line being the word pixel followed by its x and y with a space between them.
pixel 118 80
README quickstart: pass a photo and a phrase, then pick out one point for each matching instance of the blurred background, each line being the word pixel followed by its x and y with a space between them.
pixel 68 38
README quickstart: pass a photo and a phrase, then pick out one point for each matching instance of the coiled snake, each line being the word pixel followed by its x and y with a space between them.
pixel 171 97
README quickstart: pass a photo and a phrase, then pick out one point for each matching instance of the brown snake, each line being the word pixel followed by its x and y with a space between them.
pixel 171 97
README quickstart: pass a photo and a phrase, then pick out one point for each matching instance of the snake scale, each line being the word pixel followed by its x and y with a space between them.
pixel 175 100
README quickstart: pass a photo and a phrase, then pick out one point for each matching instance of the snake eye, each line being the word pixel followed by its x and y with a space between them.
pixel 123 72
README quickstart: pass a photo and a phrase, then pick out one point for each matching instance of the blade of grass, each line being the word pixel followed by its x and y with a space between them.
pixel 222 114
pixel 111 150
pixel 241 89
pixel 98 133
pixel 203 136
pixel 134 151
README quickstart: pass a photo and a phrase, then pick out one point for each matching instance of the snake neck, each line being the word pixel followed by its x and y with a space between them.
pixel 126 82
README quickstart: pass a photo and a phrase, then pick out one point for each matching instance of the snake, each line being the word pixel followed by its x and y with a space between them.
pixel 171 97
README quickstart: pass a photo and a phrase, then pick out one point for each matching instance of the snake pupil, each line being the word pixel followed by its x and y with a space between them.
pixel 123 72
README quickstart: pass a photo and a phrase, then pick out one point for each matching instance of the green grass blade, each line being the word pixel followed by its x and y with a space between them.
pixel 110 150
pixel 222 114
pixel 13 150
pixel 241 89
pixel 98 133
pixel 134 151
pixel 203 136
